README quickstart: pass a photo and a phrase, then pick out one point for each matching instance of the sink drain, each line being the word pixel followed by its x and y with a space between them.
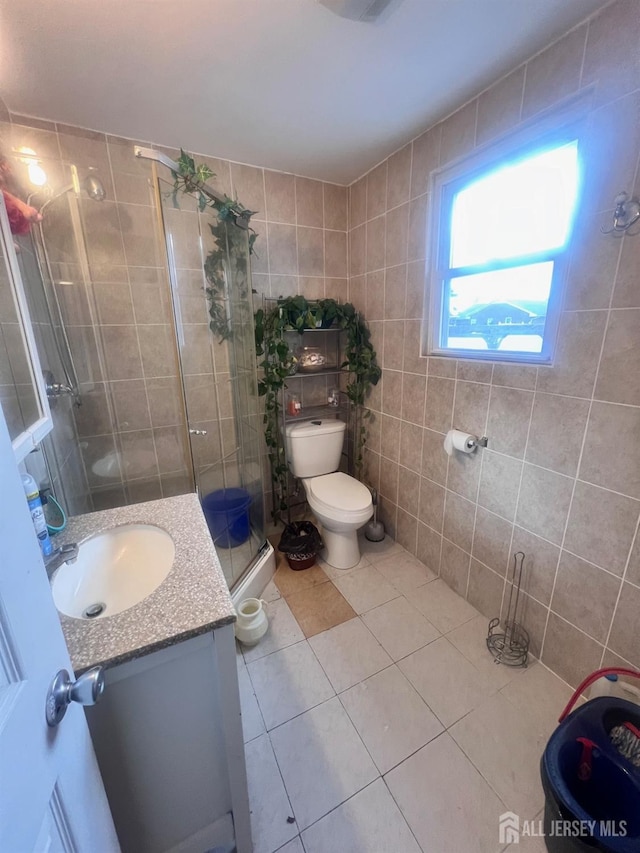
pixel 94 610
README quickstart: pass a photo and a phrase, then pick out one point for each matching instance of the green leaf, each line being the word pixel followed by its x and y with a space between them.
pixel 203 173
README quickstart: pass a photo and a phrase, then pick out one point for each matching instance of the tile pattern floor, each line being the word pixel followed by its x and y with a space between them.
pixel 315 602
pixel 375 720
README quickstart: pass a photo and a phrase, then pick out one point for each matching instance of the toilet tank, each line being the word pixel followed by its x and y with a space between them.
pixel 314 447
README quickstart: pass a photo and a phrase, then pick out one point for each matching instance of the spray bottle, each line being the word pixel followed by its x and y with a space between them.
pixel 37 513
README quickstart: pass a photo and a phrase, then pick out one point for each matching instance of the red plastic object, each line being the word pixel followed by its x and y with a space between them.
pixel 633 729
pixel 584 768
pixel 21 215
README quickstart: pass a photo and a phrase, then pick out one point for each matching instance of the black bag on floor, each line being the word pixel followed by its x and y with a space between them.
pixel 300 537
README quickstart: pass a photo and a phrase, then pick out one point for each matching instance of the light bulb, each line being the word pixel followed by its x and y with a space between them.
pixel 37 174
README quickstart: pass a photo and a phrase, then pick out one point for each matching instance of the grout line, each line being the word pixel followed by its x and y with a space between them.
pixel 555 579
pixel 401 812
pixel 577 628
pixel 525 66
pixel 275 758
pixel 102 357
pixel 324 251
pixel 475 512
pixel 619 596
pixel 553 471
pixel 445 728
pixel 515 513
pixel 475 120
pixel 266 236
pixel 348 238
pixel 584 53
pixel 446 483
pixel 582 447
pixel 596 310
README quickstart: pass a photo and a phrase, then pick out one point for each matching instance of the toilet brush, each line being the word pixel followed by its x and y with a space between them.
pixel 374 530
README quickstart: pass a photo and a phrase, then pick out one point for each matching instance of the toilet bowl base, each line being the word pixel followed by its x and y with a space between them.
pixel 341 549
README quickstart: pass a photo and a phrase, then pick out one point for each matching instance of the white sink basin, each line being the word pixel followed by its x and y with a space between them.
pixel 114 570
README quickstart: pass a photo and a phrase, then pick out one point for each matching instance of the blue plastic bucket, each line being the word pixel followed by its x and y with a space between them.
pixel 227 514
pixel 604 799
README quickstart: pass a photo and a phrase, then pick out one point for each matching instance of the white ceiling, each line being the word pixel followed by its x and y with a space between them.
pixel 284 84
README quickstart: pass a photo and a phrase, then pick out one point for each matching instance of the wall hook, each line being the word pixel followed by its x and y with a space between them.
pixel 626 214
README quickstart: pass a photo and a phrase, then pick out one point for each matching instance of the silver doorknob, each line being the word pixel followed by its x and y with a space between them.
pixel 86 690
pixel 197 432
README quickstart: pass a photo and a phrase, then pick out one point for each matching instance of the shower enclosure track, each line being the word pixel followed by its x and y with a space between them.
pixel 214 195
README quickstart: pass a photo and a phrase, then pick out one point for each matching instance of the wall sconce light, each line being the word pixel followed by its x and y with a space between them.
pixel 37 175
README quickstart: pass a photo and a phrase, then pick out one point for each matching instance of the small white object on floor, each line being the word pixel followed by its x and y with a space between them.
pixel 252 621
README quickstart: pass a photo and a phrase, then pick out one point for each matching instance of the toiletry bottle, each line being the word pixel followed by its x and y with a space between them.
pixel 294 407
pixel 37 513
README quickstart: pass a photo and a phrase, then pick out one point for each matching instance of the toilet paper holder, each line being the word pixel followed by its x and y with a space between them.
pixel 479 442
pixel 463 442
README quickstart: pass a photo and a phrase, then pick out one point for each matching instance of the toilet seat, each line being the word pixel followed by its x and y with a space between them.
pixel 338 495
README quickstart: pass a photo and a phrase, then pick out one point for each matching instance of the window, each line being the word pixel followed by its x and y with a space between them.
pixel 503 221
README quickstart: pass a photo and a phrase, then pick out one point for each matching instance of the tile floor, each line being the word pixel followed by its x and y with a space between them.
pixel 375 720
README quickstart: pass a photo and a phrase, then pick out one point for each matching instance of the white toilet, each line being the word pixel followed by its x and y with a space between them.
pixel 340 503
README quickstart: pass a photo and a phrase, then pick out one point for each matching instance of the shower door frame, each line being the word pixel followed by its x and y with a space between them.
pixel 261 567
pixel 33 434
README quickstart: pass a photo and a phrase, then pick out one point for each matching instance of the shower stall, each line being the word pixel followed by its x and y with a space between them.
pixel 147 400
pixel 59 465
pixel 216 351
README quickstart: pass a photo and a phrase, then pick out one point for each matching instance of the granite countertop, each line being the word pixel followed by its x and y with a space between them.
pixel 193 599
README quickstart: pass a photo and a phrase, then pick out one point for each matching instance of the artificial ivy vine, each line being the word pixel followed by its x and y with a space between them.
pixel 298 314
pixel 292 314
pixel 191 178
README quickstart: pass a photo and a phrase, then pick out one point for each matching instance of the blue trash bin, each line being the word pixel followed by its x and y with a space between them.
pixel 608 794
pixel 227 514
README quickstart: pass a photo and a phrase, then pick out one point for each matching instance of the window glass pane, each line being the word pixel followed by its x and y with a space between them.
pixel 499 310
pixel 516 210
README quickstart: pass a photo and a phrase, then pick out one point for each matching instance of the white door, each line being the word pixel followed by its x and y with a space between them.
pixel 51 794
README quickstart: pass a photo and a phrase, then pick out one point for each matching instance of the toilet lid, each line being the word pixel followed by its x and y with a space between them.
pixel 340 491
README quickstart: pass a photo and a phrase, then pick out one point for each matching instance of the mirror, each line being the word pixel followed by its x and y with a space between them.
pixel 22 392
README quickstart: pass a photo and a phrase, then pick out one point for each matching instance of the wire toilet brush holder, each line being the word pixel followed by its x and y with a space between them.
pixel 511 645
pixel 374 529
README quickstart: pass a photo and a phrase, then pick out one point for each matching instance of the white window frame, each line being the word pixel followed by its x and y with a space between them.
pixel 553 129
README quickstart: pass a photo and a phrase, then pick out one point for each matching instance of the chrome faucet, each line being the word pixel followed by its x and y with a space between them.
pixel 64 554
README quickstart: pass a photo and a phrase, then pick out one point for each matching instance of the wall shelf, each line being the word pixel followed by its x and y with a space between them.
pixel 310 413
pixel 329 341
pixel 307 374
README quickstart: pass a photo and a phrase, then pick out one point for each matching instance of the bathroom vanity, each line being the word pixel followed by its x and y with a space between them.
pixel 167 732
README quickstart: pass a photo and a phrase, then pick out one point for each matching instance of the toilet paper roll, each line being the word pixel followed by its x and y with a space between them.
pixel 457 440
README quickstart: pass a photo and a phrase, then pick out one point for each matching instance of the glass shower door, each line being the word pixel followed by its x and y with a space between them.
pixel 211 289
pixel 243 367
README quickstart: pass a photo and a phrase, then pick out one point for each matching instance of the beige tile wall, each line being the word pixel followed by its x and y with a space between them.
pixel 120 325
pixel 561 477
pixel 301 248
